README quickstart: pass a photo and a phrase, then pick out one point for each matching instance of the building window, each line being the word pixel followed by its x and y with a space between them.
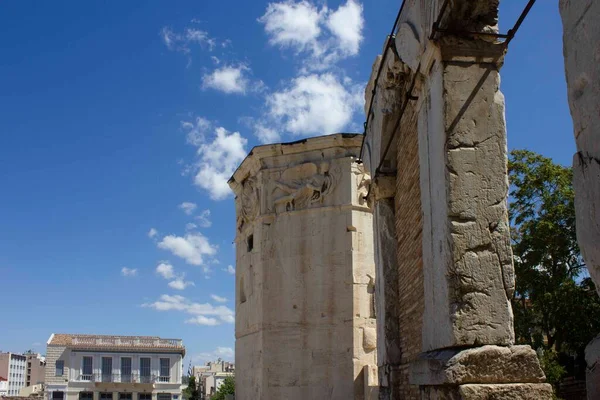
pixel 106 369
pixel 145 396
pixel 165 370
pixel 86 369
pixel 126 369
pixel 145 370
pixel 250 242
pixel 106 396
pixel 60 368
pixel 58 395
pixel 86 396
pixel 124 396
pixel 163 396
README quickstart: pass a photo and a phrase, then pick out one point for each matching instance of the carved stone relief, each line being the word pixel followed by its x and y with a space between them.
pixel 249 204
pixel 307 185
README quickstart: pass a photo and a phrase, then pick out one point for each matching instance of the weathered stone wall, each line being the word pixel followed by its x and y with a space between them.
pixel 409 231
pixel 582 52
pixel 305 307
pixel 455 272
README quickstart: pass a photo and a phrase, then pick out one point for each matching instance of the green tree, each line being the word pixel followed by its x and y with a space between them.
pixel 227 387
pixel 555 304
pixel 191 391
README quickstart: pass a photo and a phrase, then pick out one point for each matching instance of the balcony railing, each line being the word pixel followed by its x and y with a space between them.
pixel 123 378
pixel 126 342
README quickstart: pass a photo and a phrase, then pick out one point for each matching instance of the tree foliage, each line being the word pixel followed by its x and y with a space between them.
pixel 227 387
pixel 191 391
pixel 555 304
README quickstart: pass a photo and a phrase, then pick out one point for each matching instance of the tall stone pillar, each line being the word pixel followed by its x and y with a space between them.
pixel 582 51
pixel 305 276
pixel 440 91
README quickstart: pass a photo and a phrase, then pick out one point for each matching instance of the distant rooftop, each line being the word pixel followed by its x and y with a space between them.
pixel 120 343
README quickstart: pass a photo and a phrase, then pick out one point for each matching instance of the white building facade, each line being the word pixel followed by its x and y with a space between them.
pixel 99 367
pixel 3 387
pixel 13 367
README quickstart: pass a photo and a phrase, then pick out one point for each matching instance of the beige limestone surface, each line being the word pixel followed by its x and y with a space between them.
pixel 305 276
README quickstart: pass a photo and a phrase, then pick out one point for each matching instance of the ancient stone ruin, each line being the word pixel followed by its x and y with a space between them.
pixel 305 312
pixel 581 43
pixel 407 228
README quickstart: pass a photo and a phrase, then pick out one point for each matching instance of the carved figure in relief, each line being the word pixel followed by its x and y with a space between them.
pixel 249 205
pixel 304 192
pixel 363 184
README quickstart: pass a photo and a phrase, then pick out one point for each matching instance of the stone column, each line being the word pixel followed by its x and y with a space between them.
pixel 467 259
pixel 582 51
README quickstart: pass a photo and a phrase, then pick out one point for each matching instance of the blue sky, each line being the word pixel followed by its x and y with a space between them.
pixel 120 121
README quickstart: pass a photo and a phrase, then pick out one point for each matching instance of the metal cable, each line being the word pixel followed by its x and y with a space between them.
pixel 390 39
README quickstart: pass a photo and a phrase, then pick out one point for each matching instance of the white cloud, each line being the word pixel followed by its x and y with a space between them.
pixel 221 314
pixel 227 79
pixel 129 271
pixel 197 130
pixel 165 270
pixel 299 26
pixel 291 24
pixel 188 207
pixel 180 283
pixel 230 269
pixel 181 41
pixel 218 299
pixel 218 161
pixel 202 320
pixel 266 134
pixel 192 247
pixel 315 104
pixel 204 219
pixel 346 23
pixel 190 226
pixel 152 232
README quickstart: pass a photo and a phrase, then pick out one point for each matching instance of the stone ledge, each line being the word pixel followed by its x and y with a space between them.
pixel 512 391
pixel 481 365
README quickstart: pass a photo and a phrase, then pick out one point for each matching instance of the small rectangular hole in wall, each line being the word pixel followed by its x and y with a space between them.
pixel 250 242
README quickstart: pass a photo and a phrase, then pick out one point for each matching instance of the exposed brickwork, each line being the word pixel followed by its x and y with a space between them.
pixel 409 230
pixel 54 353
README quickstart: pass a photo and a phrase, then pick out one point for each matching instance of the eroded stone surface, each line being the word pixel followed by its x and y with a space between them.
pixel 582 52
pixel 305 276
pixel 486 364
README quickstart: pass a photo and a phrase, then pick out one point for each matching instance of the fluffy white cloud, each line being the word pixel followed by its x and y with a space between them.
pixel 204 219
pixel 221 314
pixel 180 283
pixel 188 207
pixel 227 79
pixel 324 36
pixel 346 23
pixel 218 299
pixel 315 104
pixel 217 162
pixel 190 226
pixel 152 232
pixel 192 247
pixel 129 271
pixel 165 270
pixel 290 24
pixel 230 269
